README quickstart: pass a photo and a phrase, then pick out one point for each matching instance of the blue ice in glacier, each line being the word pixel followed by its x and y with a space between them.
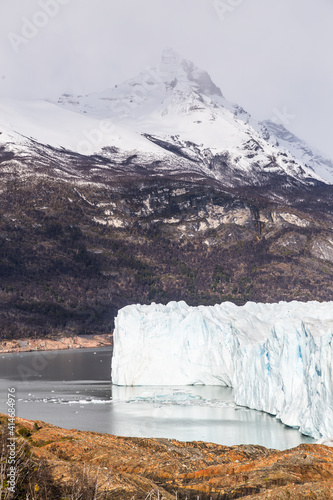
pixel 277 357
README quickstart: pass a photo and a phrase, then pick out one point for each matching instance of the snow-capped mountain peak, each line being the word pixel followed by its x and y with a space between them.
pixel 173 114
pixel 178 107
pixel 175 70
pixel 173 86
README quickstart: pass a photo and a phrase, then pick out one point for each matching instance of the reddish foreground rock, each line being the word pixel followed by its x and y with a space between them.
pixel 134 468
pixel 46 344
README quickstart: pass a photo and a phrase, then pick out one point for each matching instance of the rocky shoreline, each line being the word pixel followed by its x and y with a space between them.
pixel 54 344
pixel 126 468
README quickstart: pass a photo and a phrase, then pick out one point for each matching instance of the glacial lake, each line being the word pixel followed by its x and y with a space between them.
pixel 72 389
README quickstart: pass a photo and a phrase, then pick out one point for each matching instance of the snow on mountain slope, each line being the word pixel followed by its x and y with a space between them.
pixel 47 123
pixel 172 114
pixel 173 99
pixel 277 357
pixel 301 150
pixel 176 103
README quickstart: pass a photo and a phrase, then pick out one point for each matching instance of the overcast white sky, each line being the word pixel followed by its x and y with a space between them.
pixel 273 57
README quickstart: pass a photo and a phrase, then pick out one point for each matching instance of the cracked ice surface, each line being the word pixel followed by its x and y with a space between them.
pixel 277 357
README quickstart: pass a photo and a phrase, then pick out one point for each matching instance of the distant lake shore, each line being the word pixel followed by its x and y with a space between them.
pixel 54 344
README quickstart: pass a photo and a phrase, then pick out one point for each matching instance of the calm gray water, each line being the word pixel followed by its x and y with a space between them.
pixel 72 389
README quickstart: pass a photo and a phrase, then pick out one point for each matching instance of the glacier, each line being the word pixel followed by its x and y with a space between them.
pixel 277 357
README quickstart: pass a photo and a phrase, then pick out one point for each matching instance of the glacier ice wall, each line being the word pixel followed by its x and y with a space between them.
pixel 277 357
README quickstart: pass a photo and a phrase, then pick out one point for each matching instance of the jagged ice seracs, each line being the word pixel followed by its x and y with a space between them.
pixel 277 357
